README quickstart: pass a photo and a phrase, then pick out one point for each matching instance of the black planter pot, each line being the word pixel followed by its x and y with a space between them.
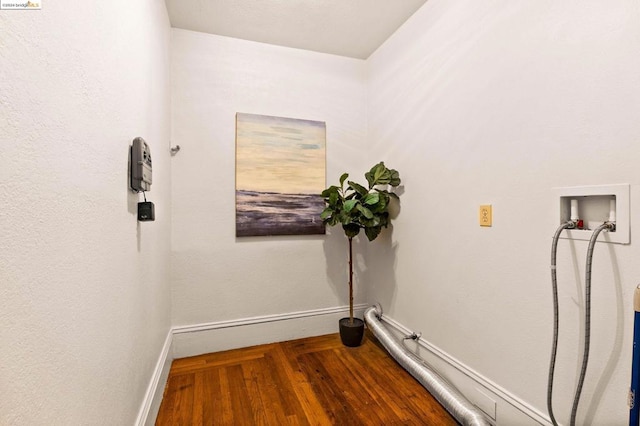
pixel 351 334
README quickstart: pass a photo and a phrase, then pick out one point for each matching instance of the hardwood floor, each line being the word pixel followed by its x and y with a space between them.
pixel 314 381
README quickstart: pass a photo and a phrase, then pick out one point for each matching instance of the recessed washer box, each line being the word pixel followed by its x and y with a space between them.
pixel 593 209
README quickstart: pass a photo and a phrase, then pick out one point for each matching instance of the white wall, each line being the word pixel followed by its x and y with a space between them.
pixel 84 294
pixel 491 102
pixel 215 275
pixel 498 103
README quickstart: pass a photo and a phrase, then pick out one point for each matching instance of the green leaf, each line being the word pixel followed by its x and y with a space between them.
pixel 358 188
pixel 378 171
pixel 372 232
pixel 395 178
pixel 369 178
pixel 378 175
pixel 381 205
pixel 326 213
pixel 351 230
pixel 365 211
pixel 333 199
pixel 373 175
pixel 330 190
pixel 371 198
pixel 342 217
pixel 383 219
pixel 349 205
pixel 343 178
pixel 370 223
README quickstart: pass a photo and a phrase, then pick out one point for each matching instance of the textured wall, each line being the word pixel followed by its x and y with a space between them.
pixel 84 288
pixel 497 103
pixel 491 102
pixel 217 276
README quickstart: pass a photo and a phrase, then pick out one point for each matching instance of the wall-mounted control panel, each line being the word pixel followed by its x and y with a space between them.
pixel 141 166
pixel 591 206
pixel 140 177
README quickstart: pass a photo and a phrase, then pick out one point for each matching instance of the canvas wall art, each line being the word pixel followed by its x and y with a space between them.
pixel 280 173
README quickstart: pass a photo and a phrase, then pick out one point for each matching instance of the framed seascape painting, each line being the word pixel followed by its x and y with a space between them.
pixel 280 173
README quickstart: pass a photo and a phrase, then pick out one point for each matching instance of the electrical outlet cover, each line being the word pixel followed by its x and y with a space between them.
pixel 485 215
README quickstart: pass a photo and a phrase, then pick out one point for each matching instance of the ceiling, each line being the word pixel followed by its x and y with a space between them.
pixel 353 28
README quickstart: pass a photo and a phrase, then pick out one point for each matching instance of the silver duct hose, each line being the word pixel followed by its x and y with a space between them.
pixel 450 398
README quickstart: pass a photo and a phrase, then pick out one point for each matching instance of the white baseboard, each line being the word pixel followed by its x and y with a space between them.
pixel 197 339
pixel 153 397
pixel 501 405
pixel 224 335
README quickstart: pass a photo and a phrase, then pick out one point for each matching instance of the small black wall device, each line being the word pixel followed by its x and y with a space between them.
pixel 146 211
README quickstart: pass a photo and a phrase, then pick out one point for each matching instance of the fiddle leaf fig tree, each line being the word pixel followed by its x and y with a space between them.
pixel 357 207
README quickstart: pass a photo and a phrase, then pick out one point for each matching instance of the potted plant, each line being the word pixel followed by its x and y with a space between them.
pixel 359 207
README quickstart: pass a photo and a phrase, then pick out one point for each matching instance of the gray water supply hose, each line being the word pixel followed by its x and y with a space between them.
pixel 587 316
pixel 447 395
pixel 554 284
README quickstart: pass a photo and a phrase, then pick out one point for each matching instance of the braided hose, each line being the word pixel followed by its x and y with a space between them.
pixel 554 348
pixel 587 317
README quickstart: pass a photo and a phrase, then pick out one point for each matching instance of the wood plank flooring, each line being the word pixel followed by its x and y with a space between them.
pixel 313 381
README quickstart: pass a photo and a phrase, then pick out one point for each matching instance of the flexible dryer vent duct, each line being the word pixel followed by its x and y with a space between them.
pixel 450 398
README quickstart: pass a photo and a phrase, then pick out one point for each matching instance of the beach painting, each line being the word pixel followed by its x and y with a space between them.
pixel 280 173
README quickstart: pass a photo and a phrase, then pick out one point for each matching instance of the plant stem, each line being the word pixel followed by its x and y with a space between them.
pixel 351 280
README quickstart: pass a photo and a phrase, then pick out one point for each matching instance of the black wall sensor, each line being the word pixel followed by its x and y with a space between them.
pixel 146 211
